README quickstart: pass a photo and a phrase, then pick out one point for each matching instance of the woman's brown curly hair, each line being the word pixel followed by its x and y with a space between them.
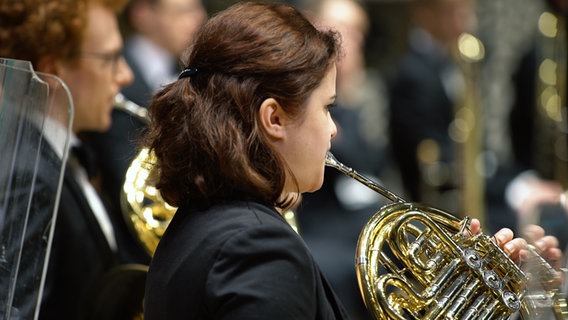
pixel 32 29
pixel 205 130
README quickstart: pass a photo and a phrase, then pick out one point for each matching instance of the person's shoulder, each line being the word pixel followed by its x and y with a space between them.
pixel 230 215
pixel 245 213
pixel 253 227
pixel 231 223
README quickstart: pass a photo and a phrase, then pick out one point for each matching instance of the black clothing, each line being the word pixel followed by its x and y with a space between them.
pixel 236 260
pixel 80 253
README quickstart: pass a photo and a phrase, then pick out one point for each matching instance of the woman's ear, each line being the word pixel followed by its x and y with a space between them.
pixel 272 118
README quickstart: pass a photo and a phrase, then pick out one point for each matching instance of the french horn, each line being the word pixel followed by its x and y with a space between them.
pixel 418 262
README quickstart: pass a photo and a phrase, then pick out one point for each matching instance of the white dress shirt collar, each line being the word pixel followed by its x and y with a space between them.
pixel 155 64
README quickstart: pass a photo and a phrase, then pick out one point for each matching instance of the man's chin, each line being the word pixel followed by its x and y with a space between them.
pixel 104 126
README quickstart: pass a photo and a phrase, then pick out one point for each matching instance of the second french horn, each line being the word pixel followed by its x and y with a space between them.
pixel 143 207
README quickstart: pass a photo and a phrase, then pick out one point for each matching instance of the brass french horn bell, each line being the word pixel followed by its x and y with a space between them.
pixel 142 205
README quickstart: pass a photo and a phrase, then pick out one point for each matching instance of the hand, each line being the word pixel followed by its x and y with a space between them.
pixel 504 239
pixel 546 246
pixel 516 248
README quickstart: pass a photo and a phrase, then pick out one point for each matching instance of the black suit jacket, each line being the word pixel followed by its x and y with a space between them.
pixel 238 260
pixel 80 254
pixel 420 109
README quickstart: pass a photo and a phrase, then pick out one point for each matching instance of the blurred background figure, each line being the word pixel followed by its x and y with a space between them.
pixel 78 41
pixel 331 219
pixel 424 92
pixel 156 33
pixel 538 126
pixel 436 121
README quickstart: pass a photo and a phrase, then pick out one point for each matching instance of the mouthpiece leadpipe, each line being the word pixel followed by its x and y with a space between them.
pixel 331 161
pixel 120 102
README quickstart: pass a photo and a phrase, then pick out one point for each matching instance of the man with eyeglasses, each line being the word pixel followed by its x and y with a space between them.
pixel 156 33
pixel 79 42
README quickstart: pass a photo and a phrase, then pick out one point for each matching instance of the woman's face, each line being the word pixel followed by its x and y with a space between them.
pixel 308 138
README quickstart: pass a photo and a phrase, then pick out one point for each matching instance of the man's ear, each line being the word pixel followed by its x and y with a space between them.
pixel 47 64
pixel 272 118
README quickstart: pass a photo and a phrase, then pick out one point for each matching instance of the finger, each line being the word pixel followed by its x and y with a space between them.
pixel 475 226
pixel 514 247
pixel 554 257
pixel 545 243
pixel 533 232
pixel 548 248
pixel 503 236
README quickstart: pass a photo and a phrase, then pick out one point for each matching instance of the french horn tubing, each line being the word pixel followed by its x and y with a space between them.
pixel 418 262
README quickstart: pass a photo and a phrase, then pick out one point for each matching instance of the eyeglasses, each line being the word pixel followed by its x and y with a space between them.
pixel 111 58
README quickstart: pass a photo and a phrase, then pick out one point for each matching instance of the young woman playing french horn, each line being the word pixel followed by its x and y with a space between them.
pixel 239 137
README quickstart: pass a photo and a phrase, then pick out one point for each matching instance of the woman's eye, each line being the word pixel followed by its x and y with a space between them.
pixel 332 105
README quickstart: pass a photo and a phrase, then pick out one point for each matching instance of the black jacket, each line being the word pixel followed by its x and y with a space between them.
pixel 80 254
pixel 239 260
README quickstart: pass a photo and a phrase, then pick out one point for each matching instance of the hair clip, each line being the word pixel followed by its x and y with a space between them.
pixel 187 72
